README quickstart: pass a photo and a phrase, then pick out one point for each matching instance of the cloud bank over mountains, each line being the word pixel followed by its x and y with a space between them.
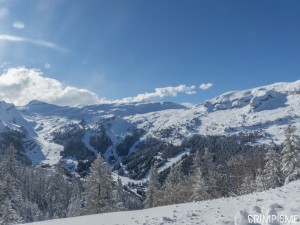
pixel 21 85
pixel 159 94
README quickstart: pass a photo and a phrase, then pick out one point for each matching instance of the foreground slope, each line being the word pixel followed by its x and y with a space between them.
pixel 284 201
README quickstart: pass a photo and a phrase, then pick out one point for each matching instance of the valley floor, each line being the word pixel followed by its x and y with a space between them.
pixel 281 204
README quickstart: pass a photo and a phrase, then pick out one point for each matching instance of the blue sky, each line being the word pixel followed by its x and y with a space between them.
pixel 122 48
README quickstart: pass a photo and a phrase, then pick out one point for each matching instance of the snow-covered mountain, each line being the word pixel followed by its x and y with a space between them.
pixel 10 117
pixel 277 206
pixel 52 122
pixel 266 110
pixel 51 132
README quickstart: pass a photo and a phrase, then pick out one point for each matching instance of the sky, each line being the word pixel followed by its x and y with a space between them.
pixel 72 52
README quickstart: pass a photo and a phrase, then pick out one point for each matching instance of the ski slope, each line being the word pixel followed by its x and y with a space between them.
pixel 282 205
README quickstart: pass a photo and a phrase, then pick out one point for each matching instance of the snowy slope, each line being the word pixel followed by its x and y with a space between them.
pixel 49 118
pixel 281 204
pixel 11 120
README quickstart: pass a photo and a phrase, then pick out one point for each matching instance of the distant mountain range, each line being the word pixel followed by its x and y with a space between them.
pixel 47 132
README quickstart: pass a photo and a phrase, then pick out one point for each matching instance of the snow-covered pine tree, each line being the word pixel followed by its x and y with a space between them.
pixel 210 173
pixel 253 177
pixel 174 187
pixel 30 212
pixel 10 195
pixel 290 155
pixel 153 191
pixel 39 187
pixel 9 214
pixel 272 170
pixel 58 194
pixel 248 185
pixel 75 207
pixel 260 183
pixel 198 185
pixel 26 176
pixel 119 195
pixel 98 188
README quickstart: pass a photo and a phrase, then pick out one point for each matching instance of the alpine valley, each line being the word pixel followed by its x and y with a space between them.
pixel 130 136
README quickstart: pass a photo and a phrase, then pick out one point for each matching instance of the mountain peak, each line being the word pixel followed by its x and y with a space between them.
pixel 260 98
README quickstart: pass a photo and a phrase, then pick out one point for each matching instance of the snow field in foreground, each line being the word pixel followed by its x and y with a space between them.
pixel 281 204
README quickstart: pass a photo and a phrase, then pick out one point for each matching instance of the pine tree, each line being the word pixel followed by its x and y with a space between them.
pixel 119 197
pixel 248 185
pixel 272 169
pixel 57 194
pixel 174 187
pixel 210 173
pixel 198 185
pixel 98 188
pixel 39 188
pixel 75 208
pixel 290 155
pixel 153 191
pixel 10 194
pixel 260 183
pixel 9 214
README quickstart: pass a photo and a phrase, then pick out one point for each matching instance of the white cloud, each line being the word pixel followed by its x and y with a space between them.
pixel 4 64
pixel 18 25
pixel 47 65
pixel 205 86
pixel 4 12
pixel 47 44
pixel 160 93
pixel 21 85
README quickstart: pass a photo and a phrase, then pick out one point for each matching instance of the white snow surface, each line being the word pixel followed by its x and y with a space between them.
pixel 173 160
pixel 282 205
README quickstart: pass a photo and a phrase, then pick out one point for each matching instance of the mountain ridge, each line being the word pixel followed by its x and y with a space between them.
pixel 115 130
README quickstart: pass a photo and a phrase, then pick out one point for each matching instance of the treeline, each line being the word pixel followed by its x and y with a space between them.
pixel 139 163
pixel 30 194
pixel 243 173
